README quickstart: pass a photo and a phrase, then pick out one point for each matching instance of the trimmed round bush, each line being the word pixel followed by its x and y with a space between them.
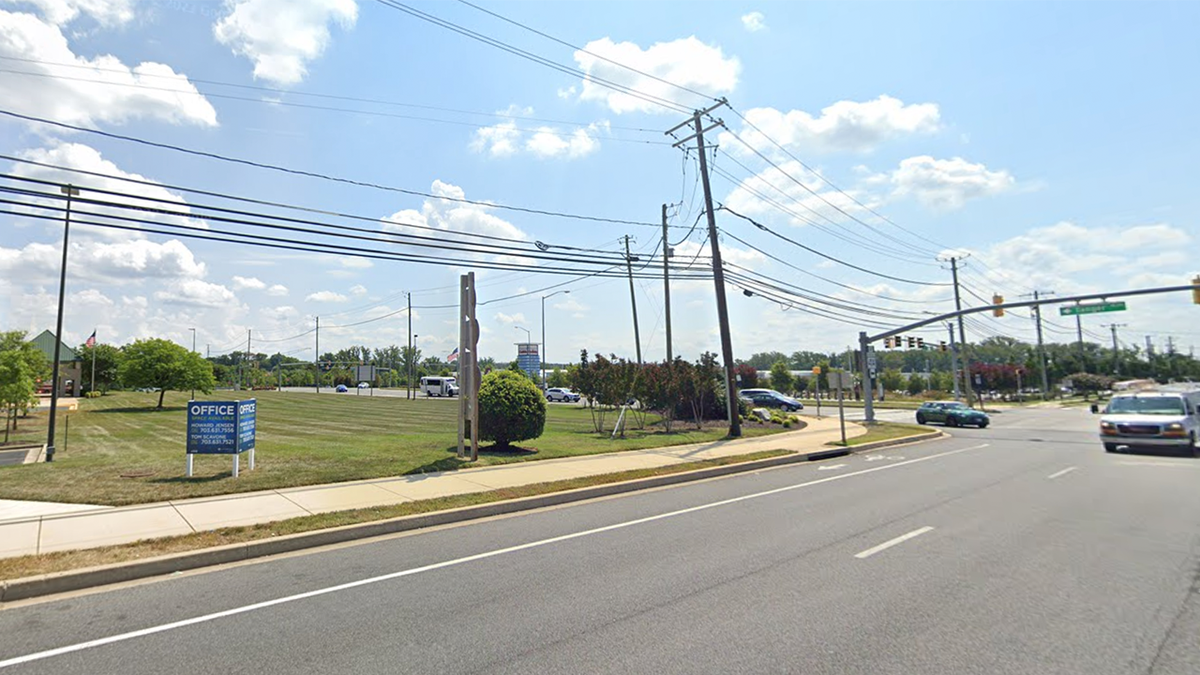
pixel 511 408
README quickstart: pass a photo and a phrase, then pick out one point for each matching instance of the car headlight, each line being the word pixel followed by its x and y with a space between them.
pixel 1107 425
pixel 1174 426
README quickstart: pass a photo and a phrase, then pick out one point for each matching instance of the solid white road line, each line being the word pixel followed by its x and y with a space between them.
pixel 892 542
pixel 37 656
pixel 1064 472
pixel 1171 464
pixel 831 467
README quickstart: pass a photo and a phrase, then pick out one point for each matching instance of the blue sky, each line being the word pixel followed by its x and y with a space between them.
pixel 1049 143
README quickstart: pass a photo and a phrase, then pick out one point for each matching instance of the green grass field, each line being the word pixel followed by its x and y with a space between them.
pixel 885 431
pixel 119 450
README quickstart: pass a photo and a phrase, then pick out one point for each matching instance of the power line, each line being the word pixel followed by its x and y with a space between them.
pixel 321 176
pixel 829 257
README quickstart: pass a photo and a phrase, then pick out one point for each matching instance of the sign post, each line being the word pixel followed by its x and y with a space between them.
pixel 842 380
pixel 221 428
pixel 817 382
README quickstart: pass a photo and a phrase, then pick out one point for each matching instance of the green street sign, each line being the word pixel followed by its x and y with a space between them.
pixel 1072 310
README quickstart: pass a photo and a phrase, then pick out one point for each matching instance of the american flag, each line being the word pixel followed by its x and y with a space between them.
pixel 453 356
pixel 91 342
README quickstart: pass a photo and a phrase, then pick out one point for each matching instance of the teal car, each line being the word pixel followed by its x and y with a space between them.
pixel 952 414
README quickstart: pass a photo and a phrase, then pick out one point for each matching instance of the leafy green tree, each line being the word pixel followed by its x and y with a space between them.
pixel 781 378
pixel 17 387
pixel 511 408
pixel 164 365
pixel 108 364
pixel 916 384
pixel 557 378
pixel 892 380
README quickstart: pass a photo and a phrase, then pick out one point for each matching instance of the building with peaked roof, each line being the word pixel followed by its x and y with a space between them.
pixel 70 368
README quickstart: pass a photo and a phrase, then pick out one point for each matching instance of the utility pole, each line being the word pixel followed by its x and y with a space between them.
pixel 1079 335
pixel 735 421
pixel 1037 318
pixel 666 245
pixel 637 338
pixel 69 191
pixel 1149 346
pixel 408 366
pixel 317 355
pixel 962 332
pixel 1116 347
pixel 953 359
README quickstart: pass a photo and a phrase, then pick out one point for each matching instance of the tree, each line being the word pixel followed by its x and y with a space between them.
pixel 746 377
pixel 781 377
pixel 17 387
pixel 557 378
pixel 916 384
pixel 892 380
pixel 164 365
pixel 511 408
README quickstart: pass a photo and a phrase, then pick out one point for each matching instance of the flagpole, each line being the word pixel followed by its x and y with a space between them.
pixel 93 362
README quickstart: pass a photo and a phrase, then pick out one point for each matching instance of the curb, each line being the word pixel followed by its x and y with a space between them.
pixel 75 580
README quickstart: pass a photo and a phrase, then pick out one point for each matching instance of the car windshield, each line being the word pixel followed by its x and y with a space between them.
pixel 1147 405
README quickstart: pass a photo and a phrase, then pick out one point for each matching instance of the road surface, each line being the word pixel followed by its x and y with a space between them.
pixel 1020 548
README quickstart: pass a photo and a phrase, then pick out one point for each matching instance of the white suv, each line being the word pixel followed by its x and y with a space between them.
pixel 561 394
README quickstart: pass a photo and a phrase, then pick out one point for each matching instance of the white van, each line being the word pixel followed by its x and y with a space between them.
pixel 439 386
pixel 1153 418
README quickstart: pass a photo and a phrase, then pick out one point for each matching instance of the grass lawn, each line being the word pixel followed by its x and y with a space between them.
pixel 119 450
pixel 885 431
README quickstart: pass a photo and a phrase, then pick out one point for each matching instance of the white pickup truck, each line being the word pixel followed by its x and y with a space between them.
pixel 1158 418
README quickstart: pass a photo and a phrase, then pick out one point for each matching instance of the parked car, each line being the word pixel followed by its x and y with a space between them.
pixel 364 385
pixel 769 398
pixel 561 394
pixel 952 414
pixel 341 389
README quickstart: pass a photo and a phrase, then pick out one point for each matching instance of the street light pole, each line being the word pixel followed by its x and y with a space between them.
pixel 543 355
pixel 194 351
pixel 69 191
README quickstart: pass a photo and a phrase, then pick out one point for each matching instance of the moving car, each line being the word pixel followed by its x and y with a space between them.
pixel 769 398
pixel 561 394
pixel 364 385
pixel 341 389
pixel 1152 419
pixel 952 414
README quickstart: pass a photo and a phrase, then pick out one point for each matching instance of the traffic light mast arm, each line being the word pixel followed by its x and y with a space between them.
pixel 1194 288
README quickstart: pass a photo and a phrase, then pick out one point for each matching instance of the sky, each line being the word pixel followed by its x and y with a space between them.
pixel 1048 147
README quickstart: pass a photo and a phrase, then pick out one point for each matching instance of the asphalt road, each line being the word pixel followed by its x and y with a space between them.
pixel 9 457
pixel 1021 548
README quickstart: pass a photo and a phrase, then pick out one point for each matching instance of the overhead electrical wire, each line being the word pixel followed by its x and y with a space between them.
pixel 839 261
pixel 317 175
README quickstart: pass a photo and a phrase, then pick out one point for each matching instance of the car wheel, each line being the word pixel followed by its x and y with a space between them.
pixel 951 422
pixel 920 419
pixel 1110 447
pixel 983 425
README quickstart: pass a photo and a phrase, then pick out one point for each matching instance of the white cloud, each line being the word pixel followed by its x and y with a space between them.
pixel 754 21
pixel 354 262
pixel 946 184
pixel 325 296
pixel 277 290
pixel 845 126
pixel 505 139
pixel 510 318
pixel 577 309
pixel 688 250
pixel 89 92
pixel 453 216
pixel 83 157
pixel 282 36
pixel 120 262
pixel 240 283
pixel 687 62
pixel 358 289
pixel 803 194
pixel 196 293
pixel 546 142
pixel 59 12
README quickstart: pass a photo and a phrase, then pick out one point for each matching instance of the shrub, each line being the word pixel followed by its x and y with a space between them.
pixel 511 408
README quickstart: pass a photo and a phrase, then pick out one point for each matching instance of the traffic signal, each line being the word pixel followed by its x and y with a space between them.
pixel 998 299
pixel 942 346
pixel 912 342
pixel 920 343
pixel 1196 289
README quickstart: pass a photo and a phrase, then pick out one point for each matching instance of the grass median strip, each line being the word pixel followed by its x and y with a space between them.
pixel 118 450
pixel 24 566
pixel 884 431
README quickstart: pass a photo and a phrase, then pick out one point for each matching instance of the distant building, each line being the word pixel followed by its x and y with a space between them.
pixel 70 369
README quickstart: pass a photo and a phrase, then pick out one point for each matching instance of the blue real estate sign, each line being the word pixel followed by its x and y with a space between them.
pixel 221 427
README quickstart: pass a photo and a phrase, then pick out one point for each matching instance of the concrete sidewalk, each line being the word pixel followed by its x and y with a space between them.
pixel 43 528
